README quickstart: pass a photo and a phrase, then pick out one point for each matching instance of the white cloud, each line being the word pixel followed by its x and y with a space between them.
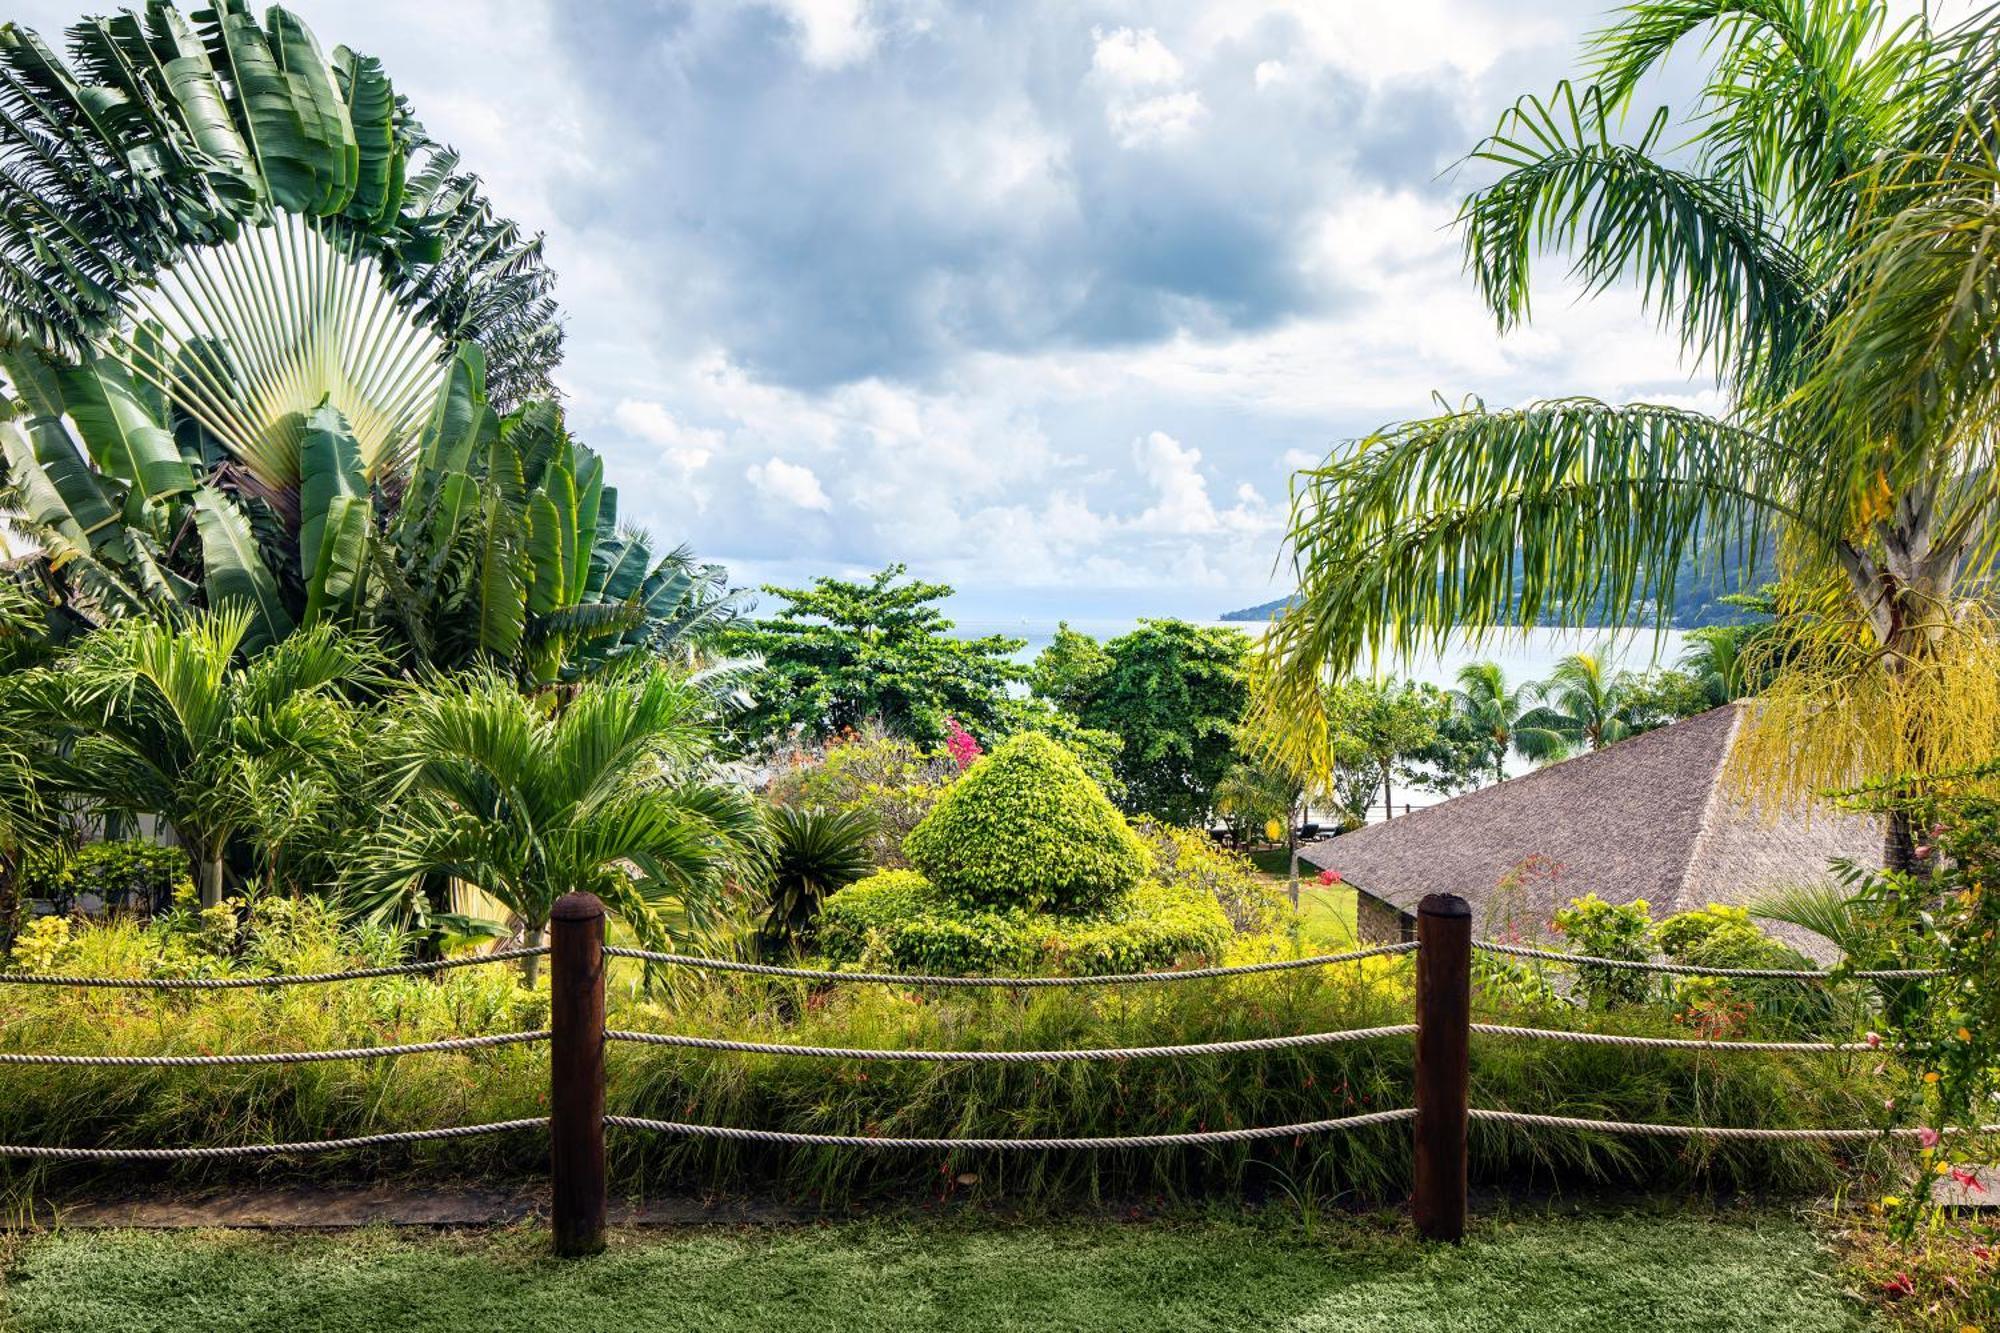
pixel 687 448
pixel 1156 119
pixel 792 483
pixel 832 33
pixel 1133 58
pixel 1270 72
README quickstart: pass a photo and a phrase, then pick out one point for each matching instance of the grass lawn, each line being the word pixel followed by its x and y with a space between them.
pixel 1328 912
pixel 1689 1271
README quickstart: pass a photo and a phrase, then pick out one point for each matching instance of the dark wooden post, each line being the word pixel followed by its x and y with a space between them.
pixel 576 1072
pixel 1444 1038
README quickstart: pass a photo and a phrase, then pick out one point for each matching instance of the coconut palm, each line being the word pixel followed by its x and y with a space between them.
pixel 1584 703
pixel 173 721
pixel 1822 246
pixel 1714 656
pixel 1502 716
pixel 527 802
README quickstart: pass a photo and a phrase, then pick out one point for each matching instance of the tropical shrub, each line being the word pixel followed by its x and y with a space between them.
pixel 124 873
pixel 901 920
pixel 809 855
pixel 892 781
pixel 1027 828
pixel 1608 930
pixel 1189 858
pixel 1722 936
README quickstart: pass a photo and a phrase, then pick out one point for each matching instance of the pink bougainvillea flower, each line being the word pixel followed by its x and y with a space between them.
pixel 1329 877
pixel 1928 1137
pixel 1874 1039
pixel 1969 1180
pixel 960 744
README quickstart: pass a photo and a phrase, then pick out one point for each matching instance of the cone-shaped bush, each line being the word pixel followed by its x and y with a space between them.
pixel 1026 827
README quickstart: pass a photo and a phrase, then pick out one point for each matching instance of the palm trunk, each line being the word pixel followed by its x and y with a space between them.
pixel 211 878
pixel 531 966
pixel 1388 796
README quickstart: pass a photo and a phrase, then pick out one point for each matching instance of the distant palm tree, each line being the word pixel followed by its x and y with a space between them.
pixel 1503 716
pixel 1714 657
pixel 1585 703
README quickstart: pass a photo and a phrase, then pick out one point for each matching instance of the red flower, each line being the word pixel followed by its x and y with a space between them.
pixel 1900 1285
pixel 1330 877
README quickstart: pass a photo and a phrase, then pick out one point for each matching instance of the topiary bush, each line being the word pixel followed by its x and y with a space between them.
pixel 1027 828
pixel 901 920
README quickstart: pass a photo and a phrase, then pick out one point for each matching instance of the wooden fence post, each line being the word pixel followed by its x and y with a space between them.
pixel 1444 1039
pixel 576 1072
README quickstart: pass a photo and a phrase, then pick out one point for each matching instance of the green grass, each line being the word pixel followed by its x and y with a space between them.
pixel 1688 1272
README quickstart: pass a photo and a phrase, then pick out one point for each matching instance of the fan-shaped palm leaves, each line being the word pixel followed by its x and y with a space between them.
pixel 528 803
pixel 1825 249
pixel 185 179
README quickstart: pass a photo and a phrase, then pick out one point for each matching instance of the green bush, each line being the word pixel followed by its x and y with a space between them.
pixel 1722 936
pixel 1252 902
pixel 901 920
pixel 122 873
pixel 891 781
pixel 1608 930
pixel 1026 828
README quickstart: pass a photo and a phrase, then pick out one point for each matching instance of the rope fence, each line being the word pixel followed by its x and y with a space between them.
pixel 1195 1139
pixel 262 1149
pixel 1690 970
pixel 281 979
pixel 579 1036
pixel 1008 983
pixel 281 1057
pixel 1018 1057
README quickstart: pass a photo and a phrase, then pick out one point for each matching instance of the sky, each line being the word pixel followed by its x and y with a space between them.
pixel 1046 300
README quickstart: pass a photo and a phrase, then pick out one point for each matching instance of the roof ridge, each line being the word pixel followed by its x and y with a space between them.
pixel 1705 828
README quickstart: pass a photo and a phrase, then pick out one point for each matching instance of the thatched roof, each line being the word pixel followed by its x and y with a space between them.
pixel 1648 818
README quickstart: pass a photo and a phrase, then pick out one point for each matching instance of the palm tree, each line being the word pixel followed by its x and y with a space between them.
pixel 1714 656
pixel 1501 715
pixel 1823 248
pixel 172 721
pixel 1584 703
pixel 250 319
pixel 526 802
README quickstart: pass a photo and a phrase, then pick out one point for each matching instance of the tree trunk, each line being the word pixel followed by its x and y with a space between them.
pixel 531 966
pixel 211 878
pixel 1388 795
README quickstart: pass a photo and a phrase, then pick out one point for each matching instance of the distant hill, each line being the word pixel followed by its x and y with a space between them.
pixel 1697 600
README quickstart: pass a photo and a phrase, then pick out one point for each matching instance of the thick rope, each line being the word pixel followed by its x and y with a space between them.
pixel 1670 1043
pixel 1000 1145
pixel 242 983
pixel 282 1057
pixel 1637 965
pixel 260 1149
pixel 913 979
pixel 1708 1131
pixel 1016 1057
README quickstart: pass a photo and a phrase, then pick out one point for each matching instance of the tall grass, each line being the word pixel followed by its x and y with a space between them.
pixel 169 1107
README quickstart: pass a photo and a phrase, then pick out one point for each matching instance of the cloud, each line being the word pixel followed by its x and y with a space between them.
pixel 832 33
pixel 791 483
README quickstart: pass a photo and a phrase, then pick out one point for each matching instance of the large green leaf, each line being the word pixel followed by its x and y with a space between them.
pixel 371 110
pixel 334 509
pixel 321 110
pixel 197 94
pixel 234 572
pixel 502 590
pixel 82 492
pixel 290 157
pixel 123 436
pixel 545 547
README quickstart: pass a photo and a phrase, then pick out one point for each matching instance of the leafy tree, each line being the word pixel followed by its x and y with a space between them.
pixel 1714 657
pixel 1380 730
pixel 1175 694
pixel 605 795
pixel 1070 671
pixel 1498 716
pixel 1821 247
pixel 1660 697
pixel 840 655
